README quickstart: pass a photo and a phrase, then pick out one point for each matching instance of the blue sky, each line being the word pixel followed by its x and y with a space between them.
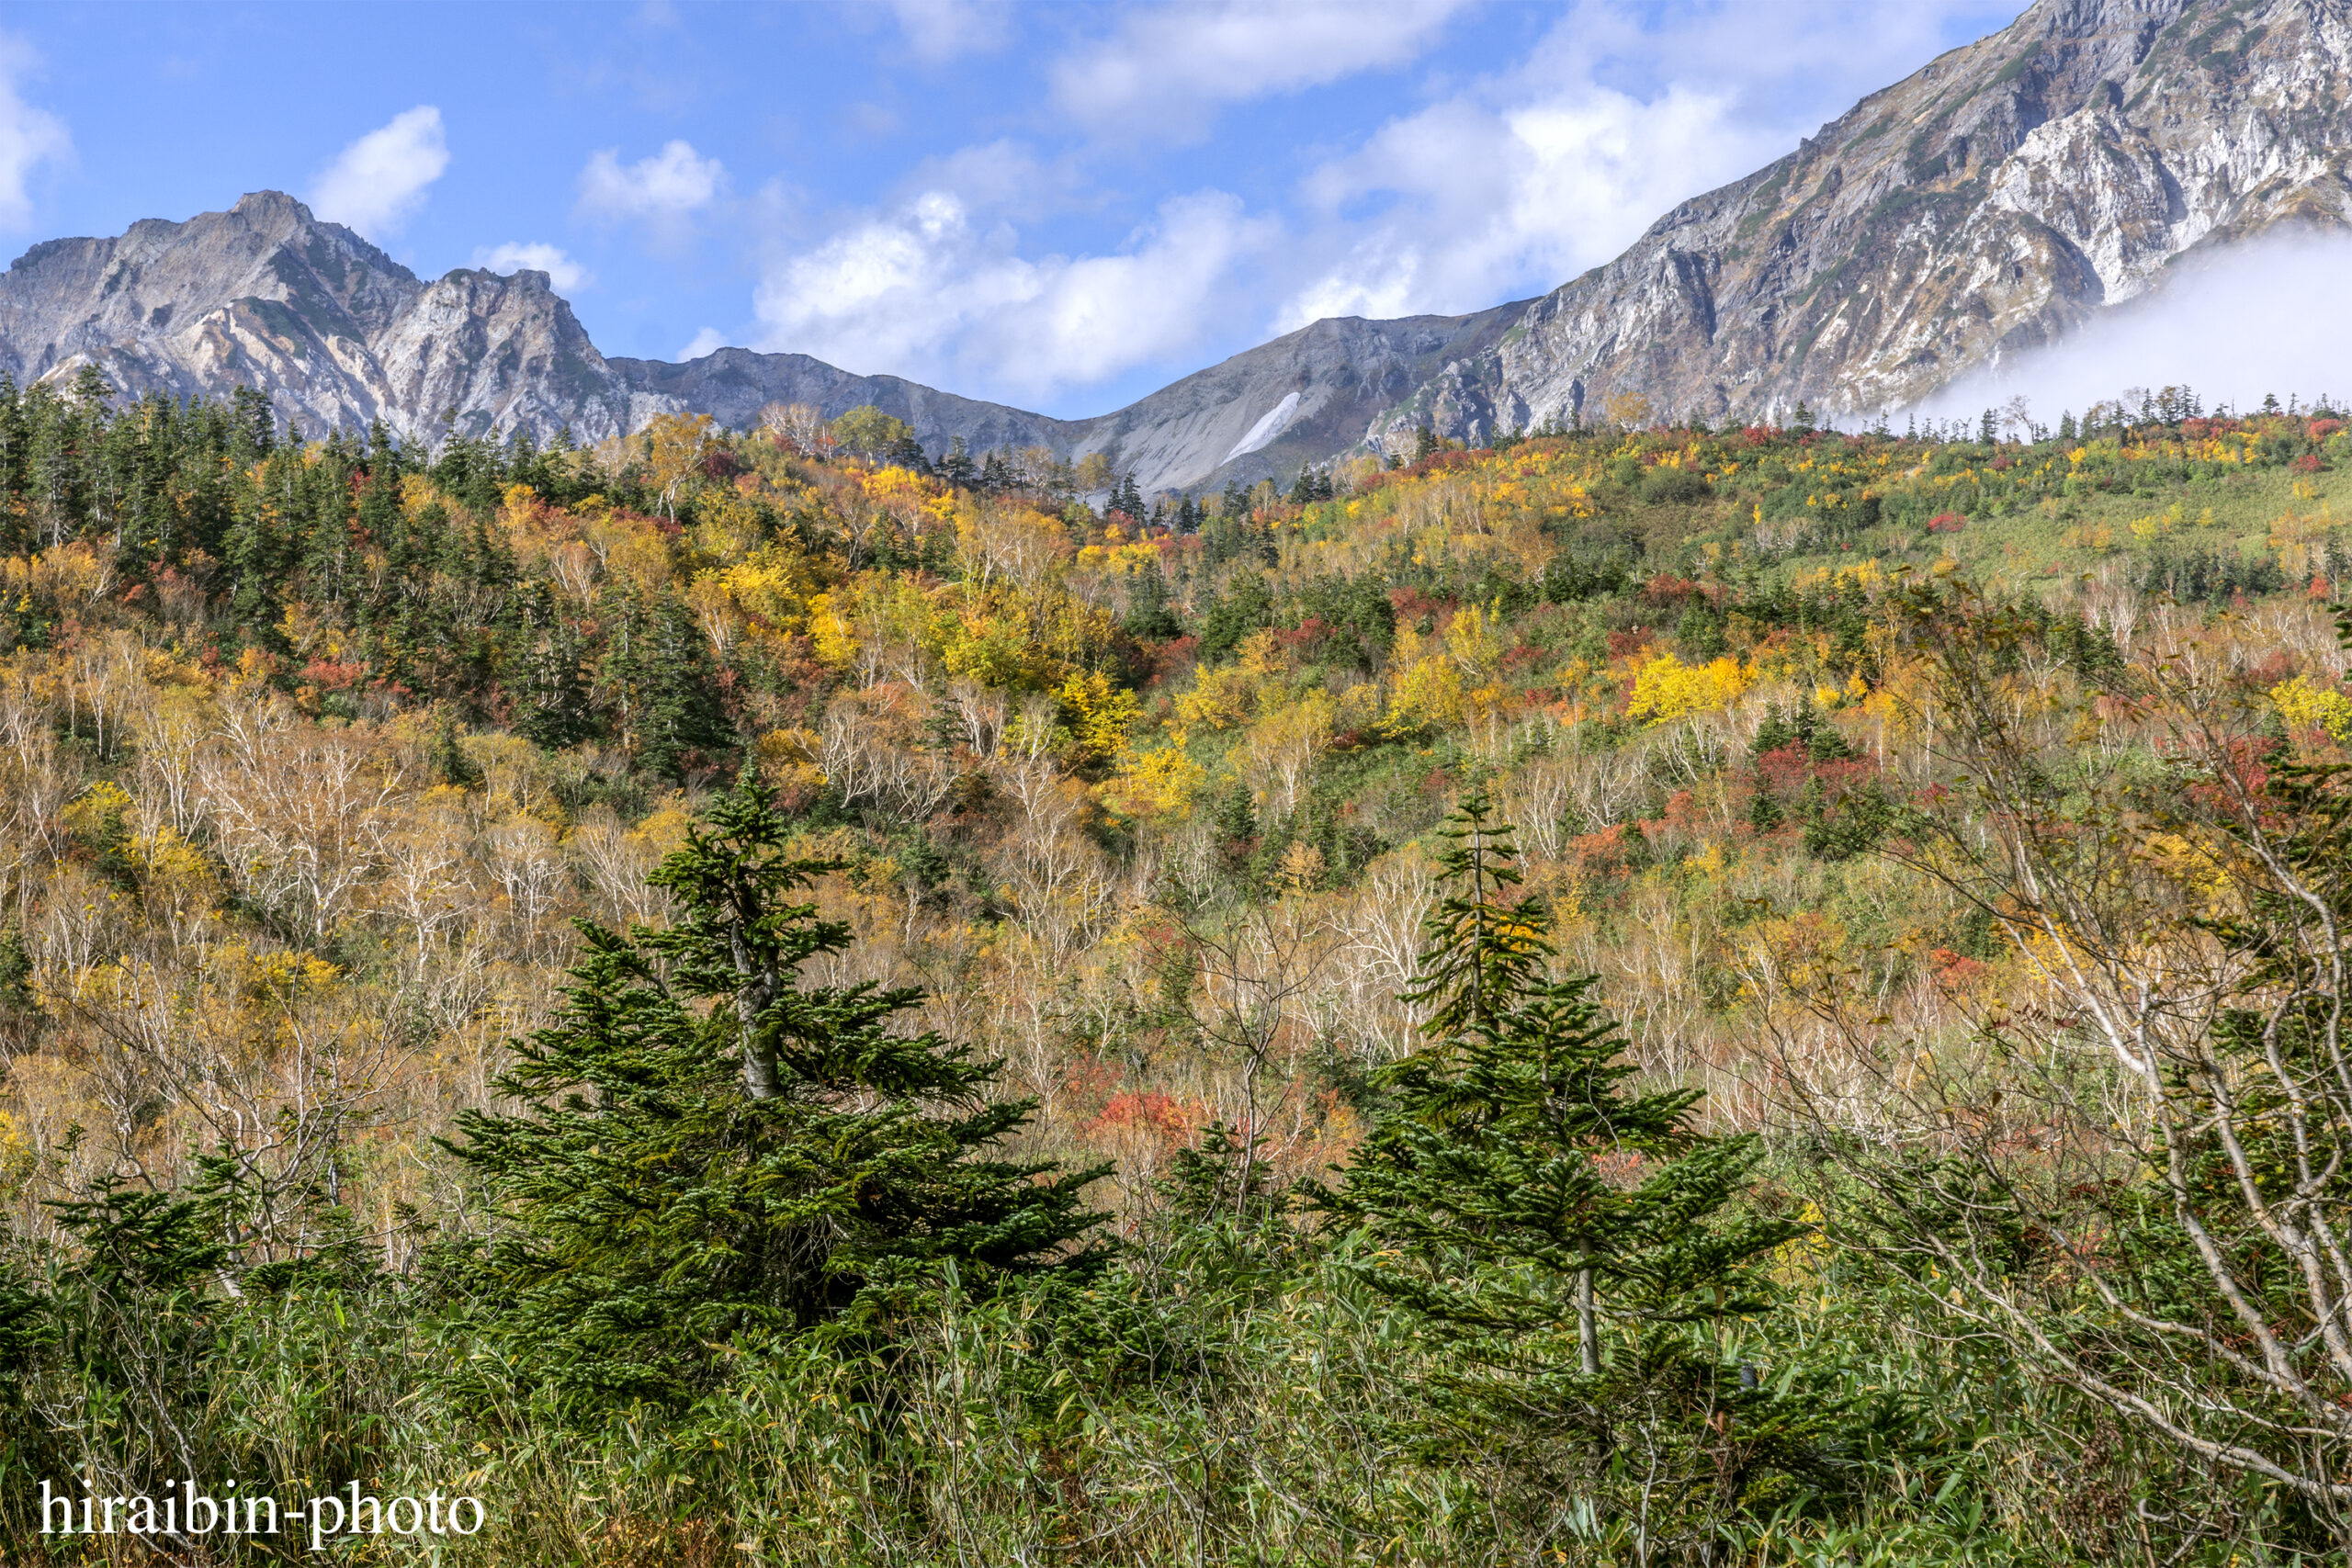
pixel 1059 205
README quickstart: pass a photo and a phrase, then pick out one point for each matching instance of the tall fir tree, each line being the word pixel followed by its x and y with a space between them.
pixel 1574 1244
pixel 680 1180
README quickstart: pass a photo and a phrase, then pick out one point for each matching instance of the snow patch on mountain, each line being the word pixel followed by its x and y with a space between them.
pixel 1262 434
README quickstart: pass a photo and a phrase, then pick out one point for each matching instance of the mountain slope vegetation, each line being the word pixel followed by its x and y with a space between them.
pixel 1119 869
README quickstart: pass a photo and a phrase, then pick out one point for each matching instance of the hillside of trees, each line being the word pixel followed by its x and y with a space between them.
pixel 1644 995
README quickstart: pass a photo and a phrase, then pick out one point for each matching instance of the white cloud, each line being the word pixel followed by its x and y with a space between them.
pixel 1166 68
pixel 29 136
pixel 1002 177
pixel 1482 200
pixel 926 292
pixel 377 183
pixel 1519 182
pixel 939 31
pixel 2237 326
pixel 710 340
pixel 516 255
pixel 661 192
pixel 1504 185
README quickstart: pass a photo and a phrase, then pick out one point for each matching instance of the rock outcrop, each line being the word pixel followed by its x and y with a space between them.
pixel 339 334
pixel 1990 203
pixel 334 330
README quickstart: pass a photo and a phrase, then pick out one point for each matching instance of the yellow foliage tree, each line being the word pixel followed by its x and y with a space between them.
pixel 1099 715
pixel 674 444
pixel 2304 704
pixel 1666 689
pixel 1428 695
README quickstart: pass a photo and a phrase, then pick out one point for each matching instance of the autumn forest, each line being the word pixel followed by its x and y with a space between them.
pixel 1642 994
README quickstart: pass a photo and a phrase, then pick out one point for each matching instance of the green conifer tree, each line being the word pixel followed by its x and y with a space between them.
pixel 1575 1244
pixel 680 1179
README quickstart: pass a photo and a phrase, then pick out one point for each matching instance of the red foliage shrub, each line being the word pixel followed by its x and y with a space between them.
pixel 330 675
pixel 1669 590
pixel 2273 666
pixel 1173 657
pixel 1759 435
pixel 1956 972
pixel 2321 429
pixel 1438 463
pixel 2308 463
pixel 1625 644
pixel 1947 523
pixel 1149 1112
pixel 1307 637
pixel 1602 853
pixel 1782 769
pixel 1838 779
pixel 1411 603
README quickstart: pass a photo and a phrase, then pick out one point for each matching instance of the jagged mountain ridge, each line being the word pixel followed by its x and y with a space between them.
pixel 339 334
pixel 333 329
pixel 1988 203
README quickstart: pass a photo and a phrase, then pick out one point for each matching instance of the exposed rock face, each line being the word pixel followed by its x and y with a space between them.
pixel 1987 204
pixel 336 332
pixel 1297 400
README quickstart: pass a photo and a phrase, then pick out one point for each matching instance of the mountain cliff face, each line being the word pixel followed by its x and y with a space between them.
pixel 336 332
pixel 1988 204
pixel 1297 400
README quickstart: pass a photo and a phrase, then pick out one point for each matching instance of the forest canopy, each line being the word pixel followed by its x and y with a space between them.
pixel 1639 993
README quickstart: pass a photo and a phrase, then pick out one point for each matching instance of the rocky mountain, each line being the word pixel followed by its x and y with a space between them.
pixel 339 333
pixel 733 384
pixel 336 332
pixel 1989 203
pixel 1297 400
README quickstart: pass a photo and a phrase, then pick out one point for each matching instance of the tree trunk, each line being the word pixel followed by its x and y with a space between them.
pixel 761 1080
pixel 1588 1326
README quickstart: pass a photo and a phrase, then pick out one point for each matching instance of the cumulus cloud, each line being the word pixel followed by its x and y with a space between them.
pixel 377 183
pixel 516 255
pixel 710 340
pixel 1166 68
pixel 2236 326
pixel 927 291
pixel 1518 182
pixel 941 30
pixel 661 192
pixel 29 136
pixel 1488 199
pixel 1490 188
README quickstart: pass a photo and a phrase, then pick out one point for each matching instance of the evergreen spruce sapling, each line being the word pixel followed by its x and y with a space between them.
pixel 1574 1242
pixel 681 1179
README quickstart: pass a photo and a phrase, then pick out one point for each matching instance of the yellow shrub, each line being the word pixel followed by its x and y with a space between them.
pixel 1099 714
pixel 1163 781
pixel 1665 688
pixel 1220 698
pixel 2304 704
pixel 1428 695
pixel 835 643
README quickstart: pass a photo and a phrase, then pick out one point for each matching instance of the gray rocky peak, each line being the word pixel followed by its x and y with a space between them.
pixel 1989 203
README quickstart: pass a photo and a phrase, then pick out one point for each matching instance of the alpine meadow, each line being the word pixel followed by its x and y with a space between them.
pixel 1611 941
